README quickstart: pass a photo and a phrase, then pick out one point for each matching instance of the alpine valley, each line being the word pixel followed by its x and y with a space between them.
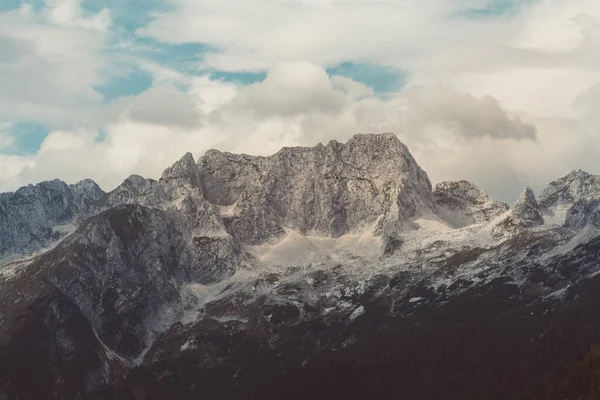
pixel 330 272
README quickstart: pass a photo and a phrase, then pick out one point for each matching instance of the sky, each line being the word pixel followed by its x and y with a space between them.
pixel 503 93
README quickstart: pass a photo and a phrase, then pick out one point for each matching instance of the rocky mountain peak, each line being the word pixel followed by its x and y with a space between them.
pixel 321 190
pixel 462 203
pixel 577 185
pixel 181 178
pixel 176 182
pixel 87 186
pixel 184 167
pixel 135 180
pixel 85 195
pixel 527 196
pixel 35 216
pixel 369 150
pixel 527 209
pixel 376 138
pixel 523 214
pixel 463 190
pixel 54 185
pixel 578 174
pixel 133 189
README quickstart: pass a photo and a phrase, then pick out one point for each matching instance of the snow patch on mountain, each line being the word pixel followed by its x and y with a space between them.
pixel 296 249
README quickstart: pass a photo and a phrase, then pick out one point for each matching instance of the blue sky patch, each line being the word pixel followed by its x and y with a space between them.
pixel 184 58
pixel 380 78
pixel 101 136
pixel 28 138
pixel 240 78
pixel 131 83
pixel 128 15
pixel 7 5
pixel 495 8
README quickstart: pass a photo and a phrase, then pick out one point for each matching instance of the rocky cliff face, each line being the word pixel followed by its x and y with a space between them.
pixel 232 275
pixel 34 217
pixel 462 203
pixel 176 183
pixel 327 190
pixel 524 214
pixel 370 183
pixel 125 266
pixel 578 185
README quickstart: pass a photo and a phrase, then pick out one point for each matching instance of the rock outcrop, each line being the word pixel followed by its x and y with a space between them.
pixel 462 203
pixel 577 185
pixel 124 266
pixel 323 190
pixel 37 216
pixel 525 213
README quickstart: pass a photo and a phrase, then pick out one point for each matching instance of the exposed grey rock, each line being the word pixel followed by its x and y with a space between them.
pixel 526 209
pixel 371 182
pixel 35 217
pixel 577 185
pixel 461 203
pixel 85 193
pixel 124 265
pixel 324 190
pixel 583 213
pixel 181 178
pixel 175 184
pixel 178 191
pixel 524 213
pixel 134 189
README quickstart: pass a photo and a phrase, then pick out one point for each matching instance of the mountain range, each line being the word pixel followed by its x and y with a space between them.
pixel 334 271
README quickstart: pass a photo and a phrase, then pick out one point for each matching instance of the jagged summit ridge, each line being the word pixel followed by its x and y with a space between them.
pixel 36 216
pixel 184 173
pixel 176 182
pixel 323 190
pixel 527 209
pixel 525 213
pixel 577 185
pixel 370 183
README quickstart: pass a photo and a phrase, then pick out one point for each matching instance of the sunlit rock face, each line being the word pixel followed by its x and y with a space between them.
pixel 327 190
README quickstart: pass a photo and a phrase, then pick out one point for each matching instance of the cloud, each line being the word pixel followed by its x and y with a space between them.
pixel 432 35
pixel 70 13
pixel 297 104
pixel 160 105
pixel 293 89
pixel 463 114
pixel 510 57
pixel 12 171
pixel 587 103
pixel 257 34
pixel 49 70
pixel 502 97
pixel 6 140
